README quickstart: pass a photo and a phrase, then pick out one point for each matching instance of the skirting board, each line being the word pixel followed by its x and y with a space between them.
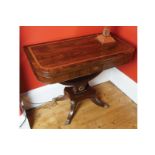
pixel 37 97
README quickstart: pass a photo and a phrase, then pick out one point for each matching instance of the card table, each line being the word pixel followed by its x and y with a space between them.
pixel 74 62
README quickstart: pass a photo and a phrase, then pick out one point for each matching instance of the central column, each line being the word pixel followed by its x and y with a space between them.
pixel 78 89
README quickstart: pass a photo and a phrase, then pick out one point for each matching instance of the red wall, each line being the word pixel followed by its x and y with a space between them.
pixel 128 33
pixel 36 34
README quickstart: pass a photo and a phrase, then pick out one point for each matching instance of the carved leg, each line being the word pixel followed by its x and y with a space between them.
pixel 79 90
pixel 99 102
pixel 72 112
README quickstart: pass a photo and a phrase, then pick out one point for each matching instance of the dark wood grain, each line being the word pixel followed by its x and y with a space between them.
pixel 63 60
pixel 75 62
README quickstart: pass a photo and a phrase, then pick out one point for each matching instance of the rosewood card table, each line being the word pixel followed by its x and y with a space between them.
pixel 74 62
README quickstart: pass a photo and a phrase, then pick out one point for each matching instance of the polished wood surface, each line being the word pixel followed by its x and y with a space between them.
pixel 122 113
pixel 63 60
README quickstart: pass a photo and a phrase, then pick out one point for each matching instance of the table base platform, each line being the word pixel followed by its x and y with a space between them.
pixel 79 90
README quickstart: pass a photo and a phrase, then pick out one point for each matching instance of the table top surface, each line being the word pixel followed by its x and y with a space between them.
pixel 73 55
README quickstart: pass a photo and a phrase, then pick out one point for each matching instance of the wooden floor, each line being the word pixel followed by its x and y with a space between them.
pixel 122 113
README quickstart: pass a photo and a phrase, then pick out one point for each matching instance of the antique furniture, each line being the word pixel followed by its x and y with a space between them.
pixel 75 61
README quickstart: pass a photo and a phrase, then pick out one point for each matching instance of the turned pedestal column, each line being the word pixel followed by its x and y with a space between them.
pixel 79 89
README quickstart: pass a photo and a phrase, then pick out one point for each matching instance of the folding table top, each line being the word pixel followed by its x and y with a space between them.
pixel 63 60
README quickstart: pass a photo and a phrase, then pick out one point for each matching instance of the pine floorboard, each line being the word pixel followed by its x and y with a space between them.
pixel 122 113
